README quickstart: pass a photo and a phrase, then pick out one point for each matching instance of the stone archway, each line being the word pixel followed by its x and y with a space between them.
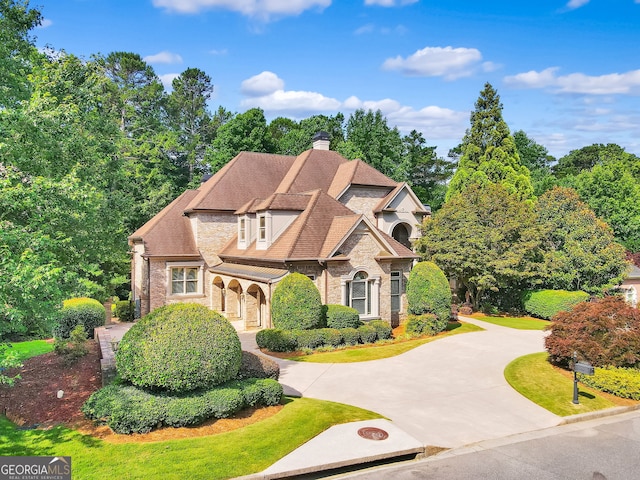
pixel 401 233
pixel 255 307
pixel 233 302
pixel 218 295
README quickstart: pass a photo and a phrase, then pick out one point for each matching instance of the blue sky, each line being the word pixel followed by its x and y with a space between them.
pixel 567 71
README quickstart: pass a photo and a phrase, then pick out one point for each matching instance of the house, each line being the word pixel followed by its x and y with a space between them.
pixel 630 286
pixel 228 243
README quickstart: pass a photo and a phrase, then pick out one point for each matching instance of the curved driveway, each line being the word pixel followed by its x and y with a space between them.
pixel 446 393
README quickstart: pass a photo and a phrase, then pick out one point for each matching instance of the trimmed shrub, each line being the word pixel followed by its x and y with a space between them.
pixel 73 348
pixel 383 329
pixel 83 311
pixel 308 338
pixel 331 336
pixel 350 336
pixel 258 366
pixel 621 382
pixel 179 348
pixel 428 291
pixel 547 303
pixel 129 409
pixel 341 316
pixel 367 334
pixel 124 310
pixel 426 324
pixel 606 332
pixel 276 340
pixel 296 304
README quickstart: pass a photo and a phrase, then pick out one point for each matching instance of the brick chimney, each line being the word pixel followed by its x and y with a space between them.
pixel 321 141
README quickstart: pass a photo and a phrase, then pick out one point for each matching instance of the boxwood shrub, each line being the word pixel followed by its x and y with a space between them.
pixel 258 366
pixel 547 303
pixel 341 316
pixel 426 324
pixel 124 311
pixel 383 329
pixel 83 311
pixel 296 304
pixel 331 337
pixel 179 348
pixel 308 338
pixel 428 291
pixel 276 340
pixel 129 409
pixel 367 334
pixel 619 381
pixel 350 336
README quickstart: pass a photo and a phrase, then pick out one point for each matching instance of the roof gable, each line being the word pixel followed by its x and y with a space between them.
pixel 357 172
pixel 395 194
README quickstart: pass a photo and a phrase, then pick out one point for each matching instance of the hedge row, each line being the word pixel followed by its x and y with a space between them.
pixel 277 340
pixel 426 324
pixel 128 409
pixel 83 311
pixel 619 381
pixel 547 303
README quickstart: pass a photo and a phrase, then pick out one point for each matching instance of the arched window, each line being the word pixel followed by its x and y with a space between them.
pixel 401 234
pixel 359 293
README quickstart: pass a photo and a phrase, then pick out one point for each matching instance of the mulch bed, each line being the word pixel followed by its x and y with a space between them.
pixel 32 402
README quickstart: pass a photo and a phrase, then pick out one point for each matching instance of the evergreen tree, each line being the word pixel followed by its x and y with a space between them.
pixel 489 153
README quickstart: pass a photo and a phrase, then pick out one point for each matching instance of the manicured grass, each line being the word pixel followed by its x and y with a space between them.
pixel 227 455
pixel 536 379
pixel 367 353
pixel 519 323
pixel 30 349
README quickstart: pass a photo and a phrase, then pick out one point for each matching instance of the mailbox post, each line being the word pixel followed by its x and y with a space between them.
pixel 579 367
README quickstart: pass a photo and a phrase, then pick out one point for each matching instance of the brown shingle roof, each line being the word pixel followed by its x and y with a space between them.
pixel 357 172
pixel 248 176
pixel 311 170
pixel 169 232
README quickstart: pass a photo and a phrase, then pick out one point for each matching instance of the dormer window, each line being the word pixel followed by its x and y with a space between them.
pixel 242 230
pixel 262 228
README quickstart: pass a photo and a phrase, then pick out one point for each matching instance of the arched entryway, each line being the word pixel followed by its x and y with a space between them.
pixel 233 301
pixel 218 295
pixel 255 307
pixel 401 233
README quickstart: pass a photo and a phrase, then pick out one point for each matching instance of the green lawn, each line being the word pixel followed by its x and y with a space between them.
pixel 26 350
pixel 227 455
pixel 519 323
pixel 536 379
pixel 377 352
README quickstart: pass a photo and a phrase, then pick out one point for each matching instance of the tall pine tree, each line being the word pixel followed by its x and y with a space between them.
pixel 489 153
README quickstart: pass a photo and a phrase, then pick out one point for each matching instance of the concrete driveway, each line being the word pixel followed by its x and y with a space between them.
pixel 446 393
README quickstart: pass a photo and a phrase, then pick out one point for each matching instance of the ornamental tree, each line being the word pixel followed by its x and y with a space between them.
pixel 489 153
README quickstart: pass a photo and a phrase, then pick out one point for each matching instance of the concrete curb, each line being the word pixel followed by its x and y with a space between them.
pixel 583 417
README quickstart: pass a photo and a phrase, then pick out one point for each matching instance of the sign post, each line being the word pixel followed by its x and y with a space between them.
pixel 579 367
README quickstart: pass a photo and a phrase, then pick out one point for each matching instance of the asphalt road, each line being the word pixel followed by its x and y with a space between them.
pixel 603 449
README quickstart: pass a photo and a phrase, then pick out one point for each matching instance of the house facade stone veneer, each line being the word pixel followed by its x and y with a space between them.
pixel 227 244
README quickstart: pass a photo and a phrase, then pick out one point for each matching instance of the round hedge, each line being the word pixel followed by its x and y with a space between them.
pixel 342 316
pixel 547 303
pixel 179 348
pixel 296 304
pixel 83 311
pixel 428 291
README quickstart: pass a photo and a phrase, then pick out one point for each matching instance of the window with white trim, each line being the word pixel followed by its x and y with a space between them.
pixel 359 293
pixel 396 291
pixel 242 230
pixel 262 227
pixel 184 280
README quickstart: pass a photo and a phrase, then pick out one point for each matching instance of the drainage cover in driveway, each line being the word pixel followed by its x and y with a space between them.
pixel 373 433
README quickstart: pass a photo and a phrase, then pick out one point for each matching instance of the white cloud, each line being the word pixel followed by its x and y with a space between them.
pixel 371 28
pixel 163 57
pixel 389 3
pixel 447 62
pixel 167 78
pixel 262 9
pixel 293 102
pixel 573 4
pixel 45 23
pixel 262 84
pixel 368 28
pixel 610 84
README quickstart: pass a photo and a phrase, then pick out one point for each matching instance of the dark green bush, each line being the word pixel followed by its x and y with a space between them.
pixel 383 329
pixel 296 304
pixel 124 311
pixel 621 382
pixel 179 348
pixel 129 409
pixel 547 303
pixel 350 336
pixel 426 324
pixel 276 340
pixel 428 291
pixel 331 336
pixel 308 338
pixel 341 316
pixel 83 311
pixel 367 334
pixel 258 366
